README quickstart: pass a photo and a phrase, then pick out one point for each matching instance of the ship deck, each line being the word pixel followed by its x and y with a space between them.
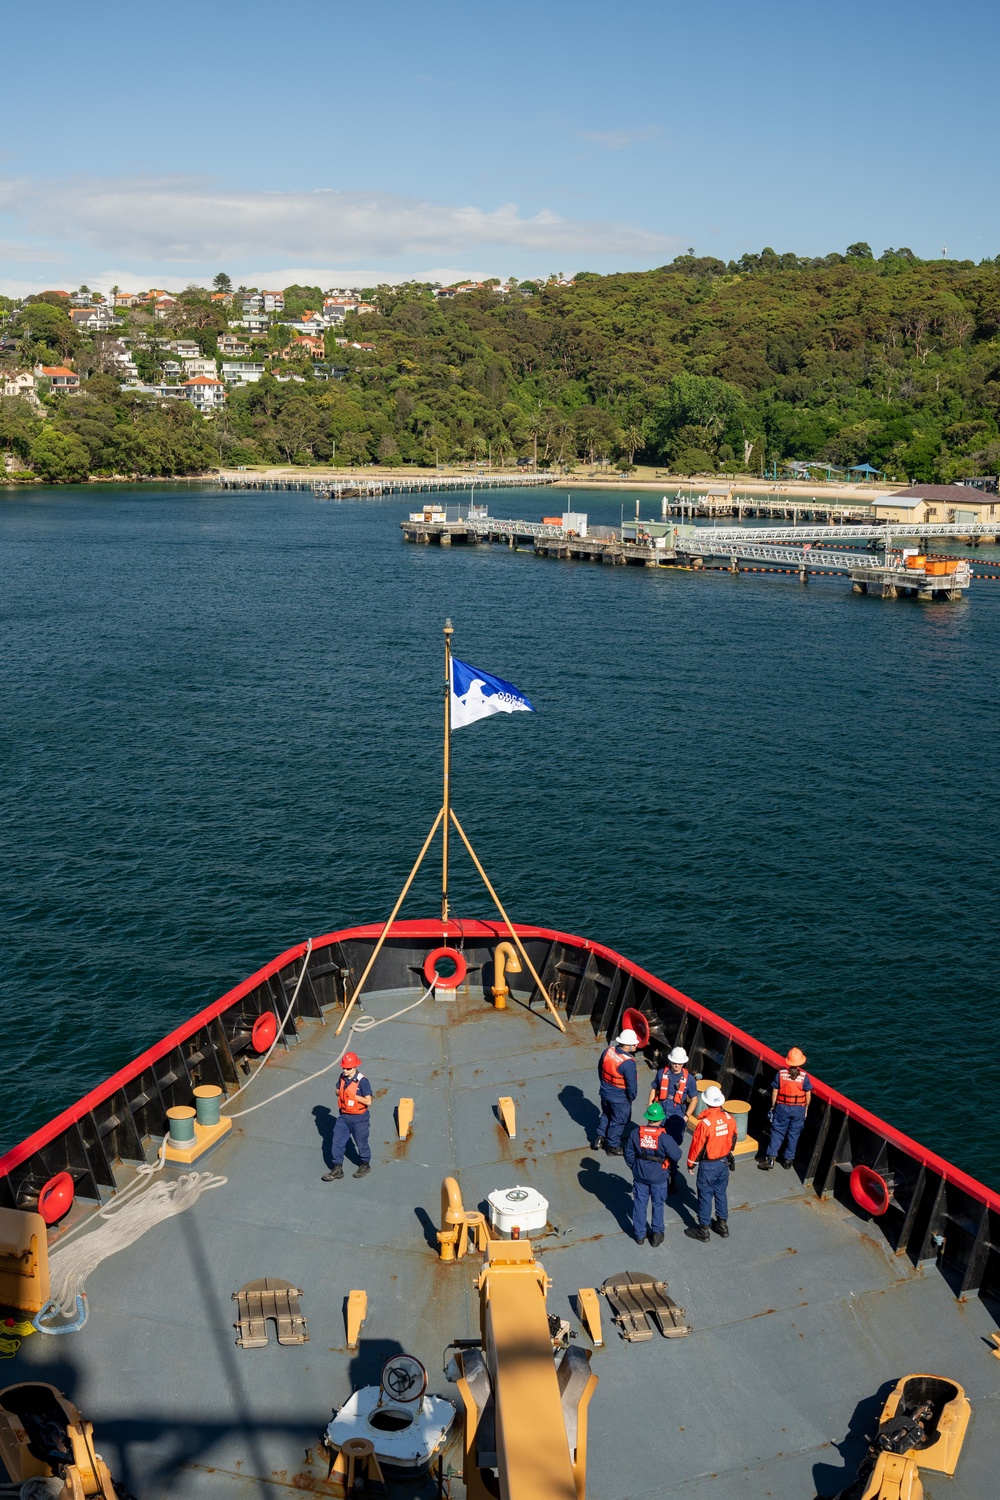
pixel 802 1320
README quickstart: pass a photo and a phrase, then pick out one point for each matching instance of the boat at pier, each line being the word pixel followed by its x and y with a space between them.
pixel 194 1311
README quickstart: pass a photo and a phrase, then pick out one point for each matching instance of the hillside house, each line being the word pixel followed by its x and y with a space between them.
pixel 273 301
pixel 19 383
pixel 96 319
pixel 198 366
pixel 230 347
pixel 254 322
pixel 58 378
pixel 242 372
pixel 163 307
pixel 205 393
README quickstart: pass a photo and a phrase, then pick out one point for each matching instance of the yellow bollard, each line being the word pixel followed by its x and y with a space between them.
pixel 589 1309
pixel 505 1104
pixel 357 1312
pixel 404 1118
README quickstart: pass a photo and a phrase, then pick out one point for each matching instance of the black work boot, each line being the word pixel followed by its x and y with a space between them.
pixel 721 1228
pixel 335 1173
pixel 363 1170
pixel 788 1165
pixel 614 1151
pixel 655 1239
pixel 697 1232
pixel 767 1165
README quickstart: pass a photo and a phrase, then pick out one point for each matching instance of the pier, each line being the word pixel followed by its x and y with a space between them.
pixel 354 486
pixel 883 570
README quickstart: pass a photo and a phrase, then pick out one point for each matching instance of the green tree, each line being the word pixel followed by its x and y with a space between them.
pixel 59 458
pixel 222 283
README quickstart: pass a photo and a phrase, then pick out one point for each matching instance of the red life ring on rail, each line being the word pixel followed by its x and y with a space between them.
pixel 265 1029
pixel 870 1191
pixel 636 1021
pixel 56 1198
pixel 445 981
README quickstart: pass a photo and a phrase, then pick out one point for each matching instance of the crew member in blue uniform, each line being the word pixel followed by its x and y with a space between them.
pixel 651 1153
pixel 711 1146
pixel 790 1092
pixel 619 1086
pixel 354 1097
pixel 677 1090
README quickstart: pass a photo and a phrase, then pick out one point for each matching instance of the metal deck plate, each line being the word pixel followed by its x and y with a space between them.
pixel 801 1321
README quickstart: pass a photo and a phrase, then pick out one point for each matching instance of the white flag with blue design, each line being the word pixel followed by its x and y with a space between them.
pixel 476 695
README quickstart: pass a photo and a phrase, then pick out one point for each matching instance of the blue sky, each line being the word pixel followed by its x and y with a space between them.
pixel 318 141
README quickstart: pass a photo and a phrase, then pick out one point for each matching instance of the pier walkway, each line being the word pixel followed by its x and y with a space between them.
pixel 354 486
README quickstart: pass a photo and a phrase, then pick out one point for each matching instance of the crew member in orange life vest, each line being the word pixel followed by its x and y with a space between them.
pixel 354 1097
pixel 711 1144
pixel 790 1091
pixel 619 1086
pixel 677 1090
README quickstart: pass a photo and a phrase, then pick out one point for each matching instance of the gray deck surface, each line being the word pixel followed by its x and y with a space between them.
pixel 802 1320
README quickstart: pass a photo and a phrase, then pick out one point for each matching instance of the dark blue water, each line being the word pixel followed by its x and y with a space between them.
pixel 220 720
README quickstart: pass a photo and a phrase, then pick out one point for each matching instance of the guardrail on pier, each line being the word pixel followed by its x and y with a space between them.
pixel 354 486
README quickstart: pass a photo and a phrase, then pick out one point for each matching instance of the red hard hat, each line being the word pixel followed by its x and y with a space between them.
pixel 351 1060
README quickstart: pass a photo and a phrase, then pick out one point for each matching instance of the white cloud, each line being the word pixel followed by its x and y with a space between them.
pixel 190 220
pixel 618 140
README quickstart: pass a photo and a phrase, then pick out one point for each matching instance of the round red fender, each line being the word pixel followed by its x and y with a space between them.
pixel 637 1021
pixel 56 1198
pixel 265 1029
pixel 869 1191
pixel 445 981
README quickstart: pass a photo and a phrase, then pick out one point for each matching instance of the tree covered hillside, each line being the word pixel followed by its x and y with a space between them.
pixel 698 366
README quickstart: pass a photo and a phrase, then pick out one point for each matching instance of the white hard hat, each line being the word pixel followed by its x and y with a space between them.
pixel 714 1097
pixel 678 1055
pixel 628 1038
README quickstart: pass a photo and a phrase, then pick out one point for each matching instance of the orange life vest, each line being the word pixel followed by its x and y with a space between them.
pixel 611 1068
pixel 717 1131
pixel 667 1082
pixel 649 1138
pixel 790 1090
pixel 349 1101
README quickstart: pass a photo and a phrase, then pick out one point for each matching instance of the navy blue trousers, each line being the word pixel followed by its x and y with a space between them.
pixel 786 1127
pixel 644 1193
pixel 350 1125
pixel 616 1113
pixel 713 1184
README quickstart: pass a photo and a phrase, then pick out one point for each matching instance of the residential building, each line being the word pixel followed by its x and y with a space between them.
pixel 205 394
pixel 173 369
pixel 19 383
pixel 94 319
pixel 251 302
pixel 310 322
pixel 186 348
pixel 242 372
pixel 367 347
pixel 253 322
pixel 273 301
pixel 223 299
pixel 953 503
pixel 310 343
pixel 198 366
pixel 163 307
pixel 128 299
pixel 161 392
pixel 231 347
pixel 58 378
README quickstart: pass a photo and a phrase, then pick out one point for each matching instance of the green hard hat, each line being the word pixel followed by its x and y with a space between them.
pixel 654 1114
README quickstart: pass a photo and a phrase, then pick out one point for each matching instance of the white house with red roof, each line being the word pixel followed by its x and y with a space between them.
pixel 205 393
pixel 273 301
pixel 58 378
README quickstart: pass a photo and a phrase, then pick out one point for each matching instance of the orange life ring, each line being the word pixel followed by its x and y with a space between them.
pixel 870 1191
pixel 56 1198
pixel 445 981
pixel 636 1021
pixel 265 1029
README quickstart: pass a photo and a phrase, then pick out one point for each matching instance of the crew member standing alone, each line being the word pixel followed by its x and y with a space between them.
pixel 354 1097
pixel 619 1086
pixel 790 1093
pixel 711 1146
pixel 651 1152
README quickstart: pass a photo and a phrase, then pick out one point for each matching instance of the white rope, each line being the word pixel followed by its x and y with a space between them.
pixel 280 1031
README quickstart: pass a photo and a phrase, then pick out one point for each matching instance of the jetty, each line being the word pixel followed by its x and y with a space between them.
pixel 366 487
pixel 887 567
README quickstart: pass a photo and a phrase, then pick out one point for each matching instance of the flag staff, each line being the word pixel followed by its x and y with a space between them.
pixel 449 631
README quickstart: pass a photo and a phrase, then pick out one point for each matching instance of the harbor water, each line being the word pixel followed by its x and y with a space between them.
pixel 221 727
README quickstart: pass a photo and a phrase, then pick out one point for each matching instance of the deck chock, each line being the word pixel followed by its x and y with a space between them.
pixel 508 1114
pixel 205 1137
pixel 589 1310
pixel 404 1118
pixel 636 1298
pixel 273 1299
pixel 357 1312
pixel 38 1419
pixel 355 1469
pixel 457 1221
pixel 995 1341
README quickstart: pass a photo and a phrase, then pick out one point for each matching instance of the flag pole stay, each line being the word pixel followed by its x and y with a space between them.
pixel 507 922
pixel 392 917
